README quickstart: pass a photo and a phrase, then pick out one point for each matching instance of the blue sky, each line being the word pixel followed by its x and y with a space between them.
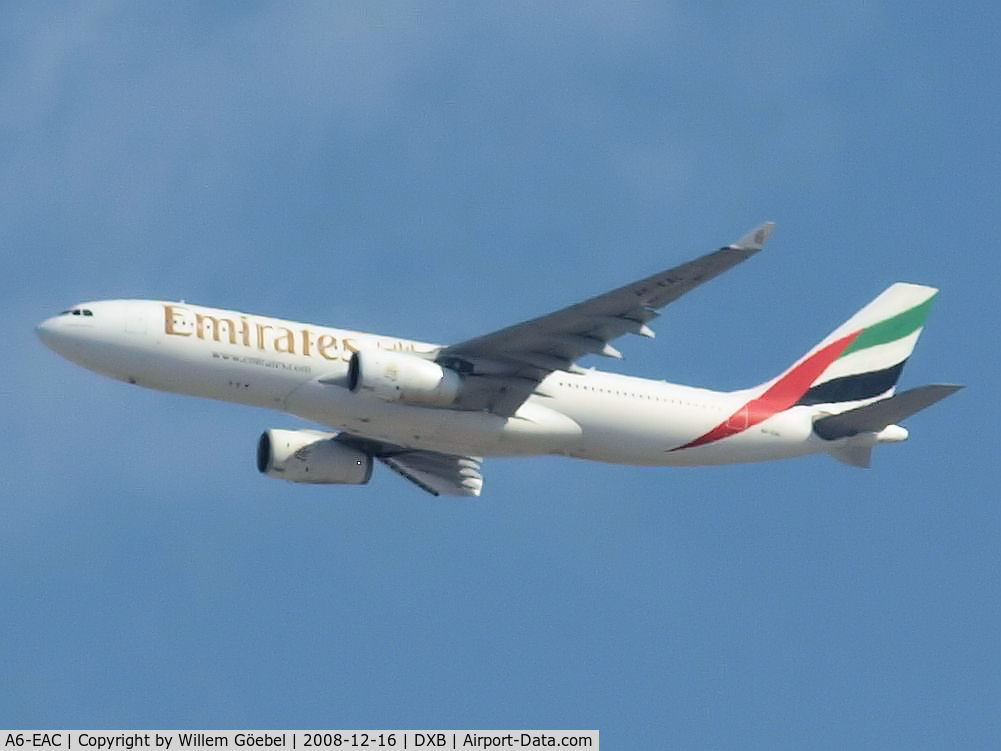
pixel 437 172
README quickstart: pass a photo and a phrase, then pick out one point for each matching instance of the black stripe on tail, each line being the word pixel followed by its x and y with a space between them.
pixel 853 388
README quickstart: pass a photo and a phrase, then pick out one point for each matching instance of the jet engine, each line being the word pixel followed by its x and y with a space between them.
pixel 399 377
pixel 311 456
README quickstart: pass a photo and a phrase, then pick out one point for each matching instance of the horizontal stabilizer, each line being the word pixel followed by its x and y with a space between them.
pixel 872 418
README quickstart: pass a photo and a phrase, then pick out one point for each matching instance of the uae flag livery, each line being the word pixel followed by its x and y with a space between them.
pixel 858 363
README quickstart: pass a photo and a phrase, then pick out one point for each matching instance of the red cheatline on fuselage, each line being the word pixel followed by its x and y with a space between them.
pixel 781 395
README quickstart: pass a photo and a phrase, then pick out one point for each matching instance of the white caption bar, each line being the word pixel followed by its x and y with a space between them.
pixel 291 740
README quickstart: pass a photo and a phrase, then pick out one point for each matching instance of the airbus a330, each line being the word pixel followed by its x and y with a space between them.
pixel 432 412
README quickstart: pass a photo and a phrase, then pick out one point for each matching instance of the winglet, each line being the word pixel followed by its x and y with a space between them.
pixel 756 238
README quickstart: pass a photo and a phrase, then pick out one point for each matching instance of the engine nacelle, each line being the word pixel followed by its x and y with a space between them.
pixel 311 456
pixel 399 377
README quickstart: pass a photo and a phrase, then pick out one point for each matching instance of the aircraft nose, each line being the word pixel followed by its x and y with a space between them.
pixel 60 332
pixel 46 331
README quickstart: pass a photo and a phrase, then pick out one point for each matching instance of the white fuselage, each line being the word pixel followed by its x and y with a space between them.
pixel 302 369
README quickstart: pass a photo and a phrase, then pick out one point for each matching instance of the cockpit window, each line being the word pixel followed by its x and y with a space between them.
pixel 87 312
pixel 77 312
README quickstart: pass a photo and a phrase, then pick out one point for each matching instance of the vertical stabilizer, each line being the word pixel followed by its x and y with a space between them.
pixel 856 364
pixel 861 360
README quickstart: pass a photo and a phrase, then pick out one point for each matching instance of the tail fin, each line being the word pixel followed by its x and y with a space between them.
pixel 857 364
pixel 861 360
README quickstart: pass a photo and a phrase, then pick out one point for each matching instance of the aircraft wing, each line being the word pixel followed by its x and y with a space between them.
pixel 437 473
pixel 503 368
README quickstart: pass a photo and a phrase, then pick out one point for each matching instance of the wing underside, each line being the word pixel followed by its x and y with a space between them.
pixel 439 474
pixel 503 368
pixel 432 471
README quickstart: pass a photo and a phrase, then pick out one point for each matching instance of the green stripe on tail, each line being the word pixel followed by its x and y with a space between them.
pixel 894 328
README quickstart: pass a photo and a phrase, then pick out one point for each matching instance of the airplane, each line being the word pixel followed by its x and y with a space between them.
pixel 433 412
